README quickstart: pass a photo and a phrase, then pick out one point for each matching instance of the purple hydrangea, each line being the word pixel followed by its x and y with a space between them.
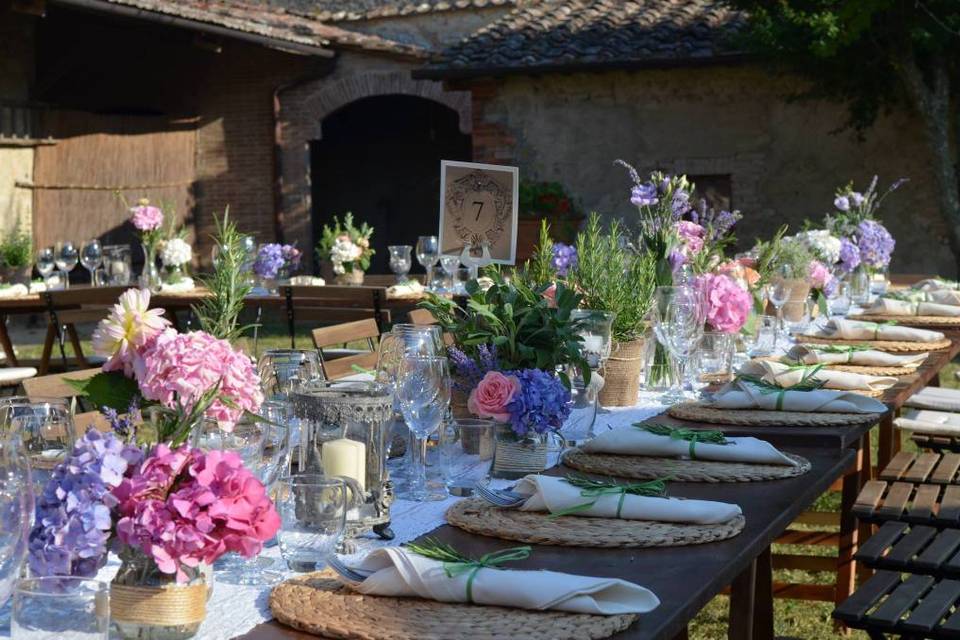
pixel 73 522
pixel 273 258
pixel 564 258
pixel 644 195
pixel 875 244
pixel 542 404
pixel 849 255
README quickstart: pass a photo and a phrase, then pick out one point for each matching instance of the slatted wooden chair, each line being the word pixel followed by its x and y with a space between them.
pixel 931 429
pixel 914 488
pixel 55 385
pixel 421 317
pixel 898 546
pixel 70 307
pixel 341 334
pixel 334 304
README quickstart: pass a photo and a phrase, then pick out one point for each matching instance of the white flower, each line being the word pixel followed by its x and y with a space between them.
pixel 176 252
pixel 344 250
pixel 822 243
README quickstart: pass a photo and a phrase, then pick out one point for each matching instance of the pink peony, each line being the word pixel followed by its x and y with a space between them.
pixel 217 506
pixel 728 305
pixel 131 325
pixel 691 237
pixel 492 395
pixel 820 275
pixel 177 368
pixel 146 217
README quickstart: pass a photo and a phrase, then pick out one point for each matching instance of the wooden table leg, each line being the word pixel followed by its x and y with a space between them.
pixel 887 446
pixel 763 598
pixel 5 342
pixel 849 533
pixel 865 529
pixel 742 603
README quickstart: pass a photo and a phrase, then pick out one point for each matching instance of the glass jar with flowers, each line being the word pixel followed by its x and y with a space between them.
pixel 148 221
pixel 275 263
pixel 176 254
pixel 168 508
pixel 347 248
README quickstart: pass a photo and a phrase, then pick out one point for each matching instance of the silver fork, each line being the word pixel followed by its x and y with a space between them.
pixel 500 497
pixel 352 575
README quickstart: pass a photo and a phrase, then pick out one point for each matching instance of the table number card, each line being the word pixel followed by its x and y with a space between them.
pixel 478 205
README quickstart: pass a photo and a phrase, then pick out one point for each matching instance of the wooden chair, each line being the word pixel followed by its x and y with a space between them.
pixel 55 386
pixel 341 334
pixel 69 307
pixel 421 317
pixel 334 304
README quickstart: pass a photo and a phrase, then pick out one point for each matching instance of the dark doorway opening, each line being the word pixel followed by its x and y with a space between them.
pixel 380 158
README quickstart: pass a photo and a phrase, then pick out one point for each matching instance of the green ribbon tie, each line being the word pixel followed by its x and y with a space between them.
pixel 692 435
pixel 487 561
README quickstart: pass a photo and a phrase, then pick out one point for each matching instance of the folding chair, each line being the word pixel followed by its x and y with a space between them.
pixel 55 385
pixel 342 334
pixel 334 304
pixel 69 307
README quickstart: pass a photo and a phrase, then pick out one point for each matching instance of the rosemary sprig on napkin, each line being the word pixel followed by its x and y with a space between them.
pixel 693 436
pixel 456 563
pixel 595 489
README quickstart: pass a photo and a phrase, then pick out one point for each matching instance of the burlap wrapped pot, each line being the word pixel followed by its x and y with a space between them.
pixel 621 374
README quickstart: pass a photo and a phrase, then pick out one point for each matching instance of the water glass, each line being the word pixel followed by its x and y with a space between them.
pixel 313 516
pixel 428 253
pixel 801 314
pixel 46 262
pixel 65 608
pixel 716 357
pixel 117 264
pixel 466 453
pixel 45 431
pixel 65 256
pixel 678 325
pixel 860 286
pixel 448 267
pixel 880 281
pixel 284 371
pixel 91 255
pixel 838 299
pixel 400 261
pixel 594 327
pixel 246 439
pixel 578 427
pixel 764 337
pixel 16 513
pixel 423 391
pixel 463 277
pixel 778 292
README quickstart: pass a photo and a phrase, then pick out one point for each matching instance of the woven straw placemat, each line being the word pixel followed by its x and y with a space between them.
pixel 681 470
pixel 478 516
pixel 910 321
pixel 892 346
pixel 696 412
pixel 319 604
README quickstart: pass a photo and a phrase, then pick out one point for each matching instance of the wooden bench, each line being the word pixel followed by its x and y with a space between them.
pixel 898 546
pixel 919 503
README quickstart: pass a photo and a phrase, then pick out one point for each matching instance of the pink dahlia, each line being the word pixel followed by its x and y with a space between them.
pixel 178 368
pixel 146 217
pixel 728 305
pixel 126 331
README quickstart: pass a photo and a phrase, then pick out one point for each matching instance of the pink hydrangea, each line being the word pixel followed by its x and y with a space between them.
pixel 146 217
pixel 728 305
pixel 820 275
pixel 217 506
pixel 178 368
pixel 691 237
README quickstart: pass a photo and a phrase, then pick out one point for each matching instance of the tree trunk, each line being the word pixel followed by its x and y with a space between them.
pixel 932 101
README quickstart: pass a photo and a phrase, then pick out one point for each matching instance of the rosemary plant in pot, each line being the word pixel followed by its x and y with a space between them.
pixel 16 258
pixel 613 277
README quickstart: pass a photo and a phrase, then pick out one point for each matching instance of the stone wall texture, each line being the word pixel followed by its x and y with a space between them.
pixel 785 158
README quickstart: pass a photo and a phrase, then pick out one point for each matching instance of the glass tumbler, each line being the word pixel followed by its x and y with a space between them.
pixel 313 515
pixel 466 452
pixel 60 607
pixel 765 336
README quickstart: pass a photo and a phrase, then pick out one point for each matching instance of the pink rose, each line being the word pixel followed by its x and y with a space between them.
pixel 146 218
pixel 728 304
pixel 820 275
pixel 551 296
pixel 492 395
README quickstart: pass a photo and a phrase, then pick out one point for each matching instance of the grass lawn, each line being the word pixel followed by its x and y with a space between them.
pixel 793 618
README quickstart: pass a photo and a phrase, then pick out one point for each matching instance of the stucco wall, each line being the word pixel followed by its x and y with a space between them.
pixel 16 163
pixel 784 161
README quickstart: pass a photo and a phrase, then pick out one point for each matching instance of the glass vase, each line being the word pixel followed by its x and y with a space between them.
pixel 860 286
pixel 147 604
pixel 173 274
pixel 516 456
pixel 150 277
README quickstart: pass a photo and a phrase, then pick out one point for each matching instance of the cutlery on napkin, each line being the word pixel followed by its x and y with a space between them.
pixel 639 441
pixel 398 572
pixel 786 376
pixel 839 328
pixel 848 354
pixel 742 394
pixel 894 307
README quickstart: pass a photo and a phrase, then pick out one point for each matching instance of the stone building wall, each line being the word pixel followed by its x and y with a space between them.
pixel 16 162
pixel 783 160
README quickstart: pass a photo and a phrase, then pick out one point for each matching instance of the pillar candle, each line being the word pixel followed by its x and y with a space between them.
pixel 345 457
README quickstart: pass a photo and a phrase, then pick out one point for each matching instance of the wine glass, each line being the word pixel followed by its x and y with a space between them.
pixel 423 388
pixel 778 292
pixel 45 430
pixel 16 512
pixel 65 256
pixel 400 261
pixel 678 326
pixel 91 256
pixel 448 265
pixel 428 253
pixel 45 263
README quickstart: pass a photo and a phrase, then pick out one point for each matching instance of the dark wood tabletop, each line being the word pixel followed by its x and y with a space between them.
pixel 684 578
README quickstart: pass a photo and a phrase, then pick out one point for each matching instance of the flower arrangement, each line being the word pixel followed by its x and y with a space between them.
pixel 176 252
pixel 276 260
pixel 346 245
pixel 728 304
pixel 864 241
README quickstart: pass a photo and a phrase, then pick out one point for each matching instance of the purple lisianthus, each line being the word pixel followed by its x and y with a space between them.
pixel 542 404
pixel 73 522
pixel 644 195
pixel 842 203
pixel 856 198
pixel 849 255
pixel 564 258
pixel 875 244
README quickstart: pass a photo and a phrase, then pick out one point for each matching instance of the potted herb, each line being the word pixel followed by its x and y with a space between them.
pixel 347 249
pixel 613 277
pixel 16 258
pixel 544 201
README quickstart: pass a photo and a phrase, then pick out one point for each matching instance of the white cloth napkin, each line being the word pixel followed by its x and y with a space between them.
pixel 547 493
pixel 786 376
pixel 838 328
pixel 893 307
pixel 307 281
pixel 741 394
pixel 944 296
pixel 935 284
pixel 812 354
pixel 409 289
pixel 635 441
pixel 397 572
pixel 13 291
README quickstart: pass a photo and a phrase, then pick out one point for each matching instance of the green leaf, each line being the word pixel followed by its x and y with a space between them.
pixel 111 389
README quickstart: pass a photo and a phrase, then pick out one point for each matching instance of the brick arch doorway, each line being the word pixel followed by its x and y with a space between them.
pixel 379 157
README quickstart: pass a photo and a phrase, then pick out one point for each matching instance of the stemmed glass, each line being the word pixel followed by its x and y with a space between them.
pixel 16 512
pixel 428 253
pixel 778 292
pixel 448 265
pixel 65 256
pixel 91 256
pixel 400 261
pixel 423 388
pixel 678 325
pixel 45 263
